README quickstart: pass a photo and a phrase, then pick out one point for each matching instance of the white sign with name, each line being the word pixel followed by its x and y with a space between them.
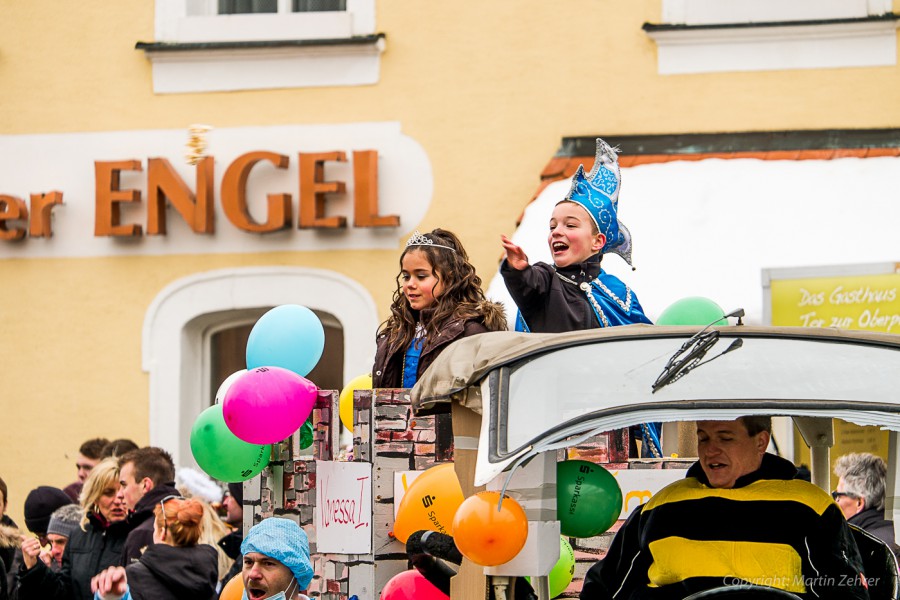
pixel 343 516
pixel 639 485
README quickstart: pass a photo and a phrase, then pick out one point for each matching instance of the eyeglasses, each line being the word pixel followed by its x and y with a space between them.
pixel 837 495
pixel 162 511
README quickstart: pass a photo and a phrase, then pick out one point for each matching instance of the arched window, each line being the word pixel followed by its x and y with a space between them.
pixel 180 347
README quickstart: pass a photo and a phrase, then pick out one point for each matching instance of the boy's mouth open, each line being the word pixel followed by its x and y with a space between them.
pixel 559 247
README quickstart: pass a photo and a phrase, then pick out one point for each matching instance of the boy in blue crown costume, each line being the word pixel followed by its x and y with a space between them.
pixel 575 292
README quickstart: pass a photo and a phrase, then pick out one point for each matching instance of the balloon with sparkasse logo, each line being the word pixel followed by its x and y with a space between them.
pixel 430 502
pixel 588 498
pixel 267 404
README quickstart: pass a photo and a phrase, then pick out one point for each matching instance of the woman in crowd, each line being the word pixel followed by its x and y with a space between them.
pixel 175 567
pixel 94 546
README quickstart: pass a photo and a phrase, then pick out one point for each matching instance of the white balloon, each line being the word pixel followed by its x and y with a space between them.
pixel 220 394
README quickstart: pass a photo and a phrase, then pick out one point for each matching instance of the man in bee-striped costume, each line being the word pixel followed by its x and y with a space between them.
pixel 739 517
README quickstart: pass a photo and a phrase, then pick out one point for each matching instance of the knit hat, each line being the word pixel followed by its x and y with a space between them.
pixel 236 491
pixel 286 542
pixel 40 504
pixel 65 520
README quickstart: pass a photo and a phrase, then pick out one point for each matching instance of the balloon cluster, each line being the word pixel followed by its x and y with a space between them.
pixel 264 403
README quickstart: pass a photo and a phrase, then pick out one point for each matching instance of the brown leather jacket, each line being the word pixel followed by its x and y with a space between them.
pixel 387 372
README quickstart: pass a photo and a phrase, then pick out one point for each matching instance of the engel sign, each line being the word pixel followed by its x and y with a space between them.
pixel 256 189
pixel 343 516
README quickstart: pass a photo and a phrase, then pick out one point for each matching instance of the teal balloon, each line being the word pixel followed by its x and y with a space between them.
pixel 288 336
pixel 588 498
pixel 695 310
pixel 563 571
pixel 220 453
pixel 306 435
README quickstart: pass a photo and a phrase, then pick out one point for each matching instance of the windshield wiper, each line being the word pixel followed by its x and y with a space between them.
pixel 691 353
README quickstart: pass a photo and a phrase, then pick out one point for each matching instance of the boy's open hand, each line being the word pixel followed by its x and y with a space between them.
pixel 515 256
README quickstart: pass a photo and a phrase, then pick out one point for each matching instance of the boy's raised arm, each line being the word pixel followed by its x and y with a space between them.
pixel 515 256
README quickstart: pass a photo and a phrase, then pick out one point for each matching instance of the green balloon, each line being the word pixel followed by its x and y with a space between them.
pixel 222 454
pixel 695 310
pixel 563 571
pixel 588 498
pixel 306 434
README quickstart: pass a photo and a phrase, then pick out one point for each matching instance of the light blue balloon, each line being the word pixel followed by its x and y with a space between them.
pixel 288 336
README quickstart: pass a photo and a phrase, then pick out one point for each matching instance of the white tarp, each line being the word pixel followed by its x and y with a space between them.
pixel 708 228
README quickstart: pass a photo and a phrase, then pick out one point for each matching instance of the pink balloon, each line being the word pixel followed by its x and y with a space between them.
pixel 411 585
pixel 268 403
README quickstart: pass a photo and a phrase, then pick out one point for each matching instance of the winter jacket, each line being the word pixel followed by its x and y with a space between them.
pixel 551 300
pixel 9 541
pixel 387 372
pixel 141 521
pixel 88 552
pixel 174 573
pixel 770 529
pixel 873 521
pixel 9 547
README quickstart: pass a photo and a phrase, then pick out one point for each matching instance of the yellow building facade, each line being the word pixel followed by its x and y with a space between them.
pixel 376 119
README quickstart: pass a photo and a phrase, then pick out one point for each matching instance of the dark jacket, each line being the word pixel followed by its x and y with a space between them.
pixel 8 544
pixel 141 521
pixel 873 521
pixel 231 545
pixel 550 305
pixel 387 372
pixel 770 529
pixel 87 553
pixel 174 573
pixel 9 548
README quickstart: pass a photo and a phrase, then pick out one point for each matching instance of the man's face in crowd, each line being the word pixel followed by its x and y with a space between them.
pixel 131 491
pixel 57 546
pixel 727 451
pixel 264 576
pixel 84 466
pixel 235 512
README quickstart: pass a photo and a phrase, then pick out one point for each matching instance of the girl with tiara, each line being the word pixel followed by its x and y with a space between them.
pixel 438 300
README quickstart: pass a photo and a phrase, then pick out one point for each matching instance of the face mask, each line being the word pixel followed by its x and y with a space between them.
pixel 278 596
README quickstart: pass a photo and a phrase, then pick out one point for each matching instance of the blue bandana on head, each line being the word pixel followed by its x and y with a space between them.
pixel 286 542
pixel 598 193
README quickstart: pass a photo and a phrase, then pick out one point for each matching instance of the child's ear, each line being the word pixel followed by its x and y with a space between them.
pixel 599 242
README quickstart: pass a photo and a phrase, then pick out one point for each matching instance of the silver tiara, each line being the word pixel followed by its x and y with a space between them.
pixel 419 239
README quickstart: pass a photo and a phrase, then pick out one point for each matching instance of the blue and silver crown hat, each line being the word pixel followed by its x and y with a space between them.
pixel 598 193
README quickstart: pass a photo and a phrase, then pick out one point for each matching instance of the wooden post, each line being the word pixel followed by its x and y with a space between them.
pixel 470 583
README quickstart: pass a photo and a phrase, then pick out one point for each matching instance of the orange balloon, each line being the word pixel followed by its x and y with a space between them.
pixel 488 536
pixel 234 589
pixel 429 503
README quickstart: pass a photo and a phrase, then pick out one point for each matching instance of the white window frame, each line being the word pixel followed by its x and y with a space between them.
pixel 708 12
pixel 179 322
pixel 198 21
pixel 213 69
pixel 815 34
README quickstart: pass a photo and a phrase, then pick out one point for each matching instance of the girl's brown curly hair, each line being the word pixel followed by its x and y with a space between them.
pixel 460 297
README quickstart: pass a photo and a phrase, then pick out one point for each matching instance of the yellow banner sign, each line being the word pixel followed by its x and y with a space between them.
pixel 865 302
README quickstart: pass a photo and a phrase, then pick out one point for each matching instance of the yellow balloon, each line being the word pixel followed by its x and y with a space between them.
pixel 429 503
pixel 360 382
